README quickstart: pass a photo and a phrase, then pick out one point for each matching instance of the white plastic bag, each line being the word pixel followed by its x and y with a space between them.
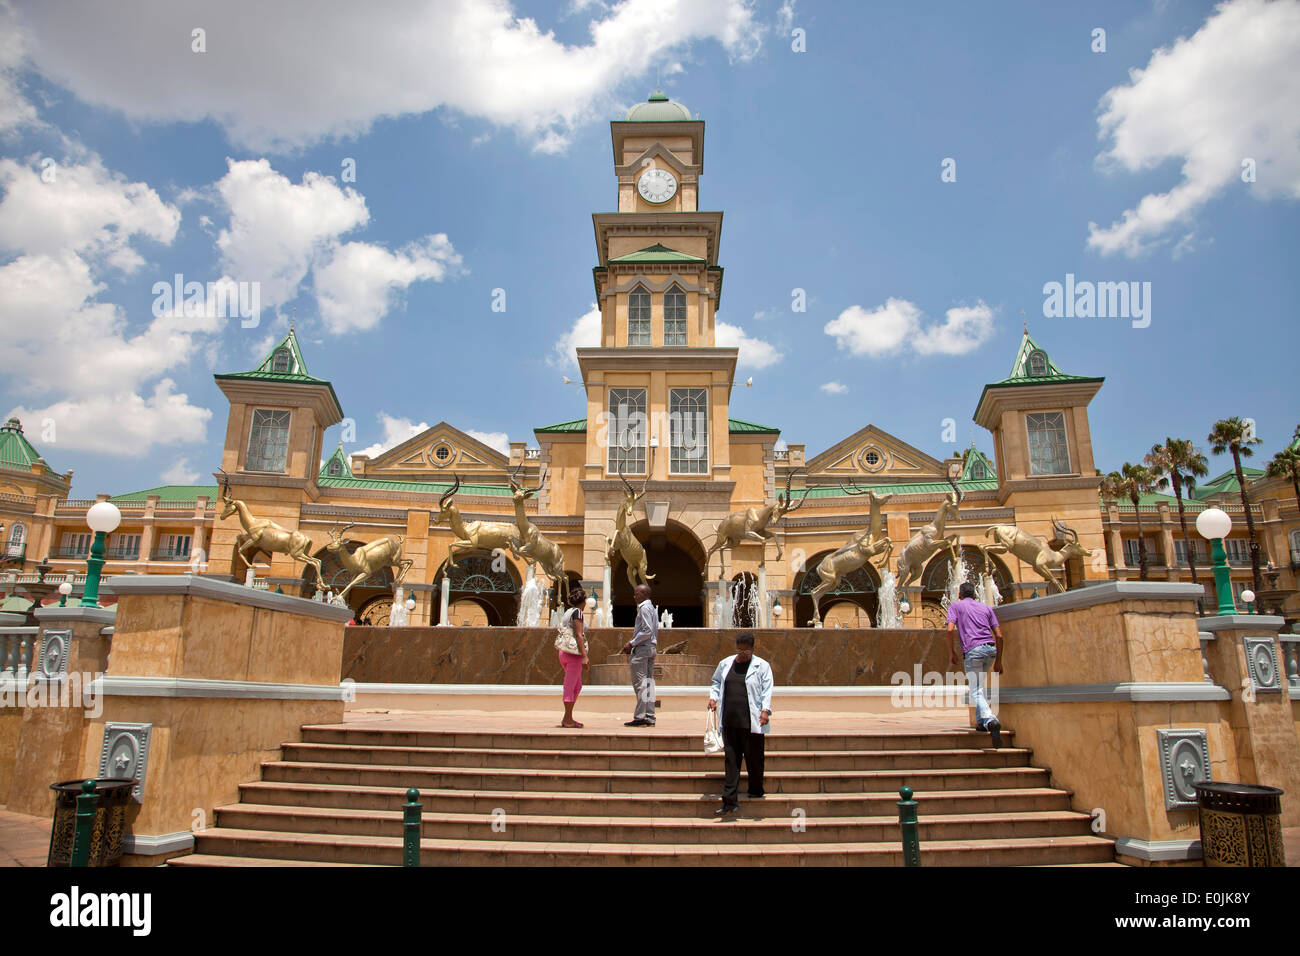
pixel 712 736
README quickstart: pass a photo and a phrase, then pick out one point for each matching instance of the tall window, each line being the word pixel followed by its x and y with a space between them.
pixel 977 471
pixel 173 547
pixel 1295 548
pixel 335 468
pixel 281 361
pixel 17 538
pixel 1238 550
pixel 268 441
pixel 638 317
pixel 124 547
pixel 688 426
pixel 75 545
pixel 627 430
pixel 1048 452
pixel 674 316
pixel 1198 551
pixel 1037 363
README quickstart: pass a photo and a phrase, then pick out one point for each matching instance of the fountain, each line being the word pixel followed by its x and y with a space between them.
pixel 530 601
pixel 888 613
pixel 724 603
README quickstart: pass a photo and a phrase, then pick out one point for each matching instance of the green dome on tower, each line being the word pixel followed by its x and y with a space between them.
pixel 658 109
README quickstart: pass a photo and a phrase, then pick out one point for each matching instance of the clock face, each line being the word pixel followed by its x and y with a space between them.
pixel 656 185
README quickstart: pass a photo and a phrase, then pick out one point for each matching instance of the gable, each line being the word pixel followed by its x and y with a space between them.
pixel 873 453
pixel 438 450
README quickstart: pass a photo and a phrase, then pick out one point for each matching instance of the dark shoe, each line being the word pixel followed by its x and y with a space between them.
pixel 979 726
pixel 756 796
pixel 635 723
pixel 995 729
pixel 724 810
pixel 648 723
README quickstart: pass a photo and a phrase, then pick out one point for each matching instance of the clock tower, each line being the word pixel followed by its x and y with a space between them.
pixel 658 387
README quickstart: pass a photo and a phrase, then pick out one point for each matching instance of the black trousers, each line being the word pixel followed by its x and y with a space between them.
pixel 740 743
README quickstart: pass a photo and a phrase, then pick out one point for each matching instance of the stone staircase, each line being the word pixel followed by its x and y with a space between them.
pixel 625 798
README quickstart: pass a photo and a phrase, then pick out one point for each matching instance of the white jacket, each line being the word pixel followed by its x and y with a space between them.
pixel 758 682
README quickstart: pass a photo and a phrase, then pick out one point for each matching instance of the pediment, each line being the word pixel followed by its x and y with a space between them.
pixel 658 151
pixel 873 453
pixel 438 450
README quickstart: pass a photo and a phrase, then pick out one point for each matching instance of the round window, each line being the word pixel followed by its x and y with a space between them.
pixel 442 455
pixel 873 458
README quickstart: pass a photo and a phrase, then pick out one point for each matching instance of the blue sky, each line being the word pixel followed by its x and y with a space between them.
pixel 481 148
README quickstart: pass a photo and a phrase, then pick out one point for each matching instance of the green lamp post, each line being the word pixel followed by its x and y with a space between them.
pixel 1248 596
pixel 103 518
pixel 1213 524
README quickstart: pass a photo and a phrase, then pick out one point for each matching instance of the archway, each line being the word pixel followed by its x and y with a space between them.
pixel 362 598
pixel 859 587
pixel 676 559
pixel 494 589
pixel 934 581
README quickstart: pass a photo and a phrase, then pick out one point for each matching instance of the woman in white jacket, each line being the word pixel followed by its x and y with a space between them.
pixel 742 694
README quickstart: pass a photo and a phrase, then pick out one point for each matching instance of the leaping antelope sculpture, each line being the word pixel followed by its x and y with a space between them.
pixel 263 534
pixel 477 535
pixel 533 546
pixel 751 524
pixel 385 552
pixel 624 541
pixel 930 540
pixel 870 545
pixel 1035 550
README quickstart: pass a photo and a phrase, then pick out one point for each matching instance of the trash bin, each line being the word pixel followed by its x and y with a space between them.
pixel 1241 824
pixel 108 831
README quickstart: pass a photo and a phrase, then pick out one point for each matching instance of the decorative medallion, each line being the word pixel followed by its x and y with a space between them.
pixel 872 458
pixel 53 663
pixel 376 612
pixel 126 754
pixel 1184 761
pixel 1261 663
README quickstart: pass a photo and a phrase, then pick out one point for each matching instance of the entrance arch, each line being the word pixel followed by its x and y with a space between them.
pixel 336 577
pixel 860 587
pixel 676 559
pixel 934 581
pixel 473 579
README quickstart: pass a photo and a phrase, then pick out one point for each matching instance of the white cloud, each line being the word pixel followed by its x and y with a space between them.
pixel 180 473
pixel 86 210
pixel 396 430
pixel 16 111
pixel 359 282
pixel 498 440
pixel 285 75
pixel 584 333
pixel 754 353
pixel 899 324
pixel 1226 94
pixel 834 388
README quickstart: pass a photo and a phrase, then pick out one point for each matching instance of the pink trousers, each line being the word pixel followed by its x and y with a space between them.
pixel 572 664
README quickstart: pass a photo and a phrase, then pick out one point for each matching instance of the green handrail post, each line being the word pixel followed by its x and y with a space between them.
pixel 87 803
pixel 907 823
pixel 411 817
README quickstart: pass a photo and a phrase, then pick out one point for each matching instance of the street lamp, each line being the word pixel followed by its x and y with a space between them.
pixel 103 518
pixel 64 590
pixel 1248 596
pixel 1213 524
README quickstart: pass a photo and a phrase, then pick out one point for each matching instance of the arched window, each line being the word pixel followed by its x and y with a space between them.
pixel 17 539
pixel 977 471
pixel 282 361
pixel 1295 548
pixel 674 316
pixel 1038 363
pixel 638 317
pixel 335 468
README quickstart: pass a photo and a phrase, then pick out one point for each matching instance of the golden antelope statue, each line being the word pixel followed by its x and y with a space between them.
pixel 929 540
pixel 624 541
pixel 1035 550
pixel 263 534
pixel 867 546
pixel 533 546
pixel 385 552
pixel 751 524
pixel 477 535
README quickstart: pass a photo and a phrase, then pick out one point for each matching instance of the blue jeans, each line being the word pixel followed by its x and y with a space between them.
pixel 979 661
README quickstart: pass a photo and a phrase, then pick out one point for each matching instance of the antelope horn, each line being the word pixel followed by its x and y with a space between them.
pixel 449 494
pixel 789 496
pixel 626 484
pixel 855 490
pixel 513 475
pixel 541 480
pixel 956 492
pixel 1066 534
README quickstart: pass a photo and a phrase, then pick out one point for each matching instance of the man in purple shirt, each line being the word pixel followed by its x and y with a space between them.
pixel 981 645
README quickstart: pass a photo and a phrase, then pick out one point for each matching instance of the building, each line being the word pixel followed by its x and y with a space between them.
pixel 657 409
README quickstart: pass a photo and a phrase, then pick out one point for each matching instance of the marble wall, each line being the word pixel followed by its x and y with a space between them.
pixel 515 655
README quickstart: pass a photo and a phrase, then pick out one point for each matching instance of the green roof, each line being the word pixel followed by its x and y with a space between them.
pixel 423 487
pixel 171 493
pixel 1225 483
pixel 264 371
pixel 657 253
pixel 969 460
pixel 15 449
pixel 914 488
pixel 1052 375
pixel 658 109
pixel 734 425
pixel 345 469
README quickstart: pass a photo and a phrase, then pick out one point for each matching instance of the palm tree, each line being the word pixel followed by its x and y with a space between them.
pixel 1178 463
pixel 1235 436
pixel 1286 464
pixel 1131 482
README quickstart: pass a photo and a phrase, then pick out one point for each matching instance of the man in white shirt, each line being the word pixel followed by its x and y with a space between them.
pixel 641 651
pixel 742 692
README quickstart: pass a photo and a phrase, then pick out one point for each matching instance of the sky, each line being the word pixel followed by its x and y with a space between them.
pixel 901 185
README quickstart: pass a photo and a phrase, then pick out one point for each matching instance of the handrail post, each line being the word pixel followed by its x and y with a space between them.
pixel 411 821
pixel 907 823
pixel 87 802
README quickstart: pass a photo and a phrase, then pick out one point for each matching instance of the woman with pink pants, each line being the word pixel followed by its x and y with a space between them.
pixel 574 664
